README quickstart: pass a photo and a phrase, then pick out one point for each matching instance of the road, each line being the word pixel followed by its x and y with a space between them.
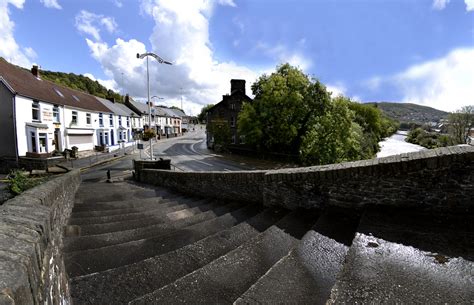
pixel 187 153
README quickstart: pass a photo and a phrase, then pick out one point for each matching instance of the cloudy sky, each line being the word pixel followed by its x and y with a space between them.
pixel 419 51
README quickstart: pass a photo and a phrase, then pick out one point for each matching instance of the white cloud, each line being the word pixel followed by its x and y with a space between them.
pixel 281 54
pixel 180 35
pixel 117 3
pixel 336 89
pixel 469 5
pixel 440 4
pixel 9 48
pixel 445 83
pixel 51 4
pixel 90 23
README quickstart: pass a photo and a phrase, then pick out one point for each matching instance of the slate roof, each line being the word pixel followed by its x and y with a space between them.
pixel 140 106
pixel 24 83
pixel 116 108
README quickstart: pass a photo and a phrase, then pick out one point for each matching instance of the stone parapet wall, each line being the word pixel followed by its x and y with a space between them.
pixel 241 186
pixel 31 228
pixel 431 179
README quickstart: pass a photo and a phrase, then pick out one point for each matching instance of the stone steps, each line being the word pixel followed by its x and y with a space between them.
pixel 409 257
pixel 100 259
pixel 307 274
pixel 149 218
pixel 123 284
pixel 226 278
pixel 196 251
pixel 92 241
pixel 169 206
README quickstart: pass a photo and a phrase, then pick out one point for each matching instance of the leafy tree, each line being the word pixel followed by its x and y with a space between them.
pixel 460 122
pixel 202 116
pixel 284 104
pixel 334 137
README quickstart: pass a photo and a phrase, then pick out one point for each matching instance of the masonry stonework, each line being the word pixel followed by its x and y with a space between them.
pixel 433 179
pixel 31 225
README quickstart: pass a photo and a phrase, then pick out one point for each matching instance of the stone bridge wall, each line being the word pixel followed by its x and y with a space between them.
pixel 433 179
pixel 31 226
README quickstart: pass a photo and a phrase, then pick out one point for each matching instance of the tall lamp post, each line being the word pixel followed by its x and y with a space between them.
pixel 161 61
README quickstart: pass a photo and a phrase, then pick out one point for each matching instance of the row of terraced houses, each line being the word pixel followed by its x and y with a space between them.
pixel 39 117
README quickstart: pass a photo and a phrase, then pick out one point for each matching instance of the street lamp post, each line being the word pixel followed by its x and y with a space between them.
pixel 161 61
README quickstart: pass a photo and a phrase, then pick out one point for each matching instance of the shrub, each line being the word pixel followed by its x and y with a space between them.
pixel 19 181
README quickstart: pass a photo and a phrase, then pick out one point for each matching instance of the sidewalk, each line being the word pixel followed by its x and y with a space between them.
pixel 98 158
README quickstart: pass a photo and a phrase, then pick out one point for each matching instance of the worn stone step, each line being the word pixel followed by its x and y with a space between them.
pixel 167 206
pixel 122 284
pixel 129 210
pixel 223 280
pixel 159 216
pixel 111 205
pixel 392 261
pixel 101 192
pixel 307 274
pixel 95 260
pixel 92 241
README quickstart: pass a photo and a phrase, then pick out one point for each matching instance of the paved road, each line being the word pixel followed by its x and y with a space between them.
pixel 187 153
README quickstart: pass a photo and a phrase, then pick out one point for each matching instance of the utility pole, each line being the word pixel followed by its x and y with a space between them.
pixel 161 61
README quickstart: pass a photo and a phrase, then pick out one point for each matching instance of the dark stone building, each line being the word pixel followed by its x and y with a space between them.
pixel 223 116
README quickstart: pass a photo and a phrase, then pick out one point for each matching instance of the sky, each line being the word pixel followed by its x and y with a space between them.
pixel 418 51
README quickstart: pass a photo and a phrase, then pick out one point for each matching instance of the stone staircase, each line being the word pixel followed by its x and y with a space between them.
pixel 135 244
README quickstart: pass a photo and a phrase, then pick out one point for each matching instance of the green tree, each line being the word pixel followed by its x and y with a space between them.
pixel 334 137
pixel 202 116
pixel 460 122
pixel 284 104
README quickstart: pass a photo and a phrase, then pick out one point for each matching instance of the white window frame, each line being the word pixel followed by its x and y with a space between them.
pixel 36 108
pixel 88 118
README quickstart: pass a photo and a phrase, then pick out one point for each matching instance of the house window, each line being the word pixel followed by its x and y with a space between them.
pixel 101 120
pixel 74 117
pixel 88 118
pixel 233 139
pixel 111 120
pixel 33 141
pixel 232 106
pixel 232 121
pixel 42 142
pixel 56 114
pixel 36 111
pixel 120 120
pixel 120 135
pixel 128 122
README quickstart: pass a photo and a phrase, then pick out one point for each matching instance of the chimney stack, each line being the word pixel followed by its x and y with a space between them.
pixel 237 85
pixel 35 71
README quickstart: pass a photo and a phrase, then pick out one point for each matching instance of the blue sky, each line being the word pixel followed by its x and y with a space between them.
pixel 419 51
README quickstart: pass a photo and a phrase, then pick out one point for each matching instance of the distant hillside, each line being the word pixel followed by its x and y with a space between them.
pixel 80 82
pixel 411 113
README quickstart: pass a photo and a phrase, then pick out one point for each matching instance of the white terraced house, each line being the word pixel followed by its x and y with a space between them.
pixel 39 117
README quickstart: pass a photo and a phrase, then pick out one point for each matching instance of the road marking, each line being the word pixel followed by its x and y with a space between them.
pixel 208 164
pixel 227 170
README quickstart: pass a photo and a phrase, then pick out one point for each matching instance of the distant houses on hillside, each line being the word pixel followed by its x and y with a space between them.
pixel 39 118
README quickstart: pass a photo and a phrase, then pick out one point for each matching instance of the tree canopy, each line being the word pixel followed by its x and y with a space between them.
pixel 202 116
pixel 293 114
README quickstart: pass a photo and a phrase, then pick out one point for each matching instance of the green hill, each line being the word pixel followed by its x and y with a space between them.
pixel 81 83
pixel 411 113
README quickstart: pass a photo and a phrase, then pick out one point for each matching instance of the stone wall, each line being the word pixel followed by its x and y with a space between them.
pixel 432 179
pixel 241 186
pixel 31 225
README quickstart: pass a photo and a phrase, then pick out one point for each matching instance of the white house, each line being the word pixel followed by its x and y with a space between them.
pixel 119 124
pixel 38 117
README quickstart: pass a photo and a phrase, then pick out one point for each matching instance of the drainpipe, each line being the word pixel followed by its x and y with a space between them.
pixel 15 129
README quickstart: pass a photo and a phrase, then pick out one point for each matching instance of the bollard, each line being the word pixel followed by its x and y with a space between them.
pixel 108 175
